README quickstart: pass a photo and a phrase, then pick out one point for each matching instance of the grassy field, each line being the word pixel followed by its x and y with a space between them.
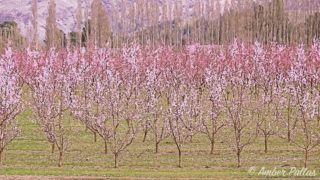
pixel 30 155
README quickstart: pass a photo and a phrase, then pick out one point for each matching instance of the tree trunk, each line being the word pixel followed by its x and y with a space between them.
pixel 238 156
pixel 1 158
pixel 145 136
pixel 288 121
pixel 95 136
pixel 306 158
pixel 106 147
pixel 191 139
pixel 53 146
pixel 265 144
pixel 157 147
pixel 60 159
pixel 318 117
pixel 180 158
pixel 116 165
pixel 212 144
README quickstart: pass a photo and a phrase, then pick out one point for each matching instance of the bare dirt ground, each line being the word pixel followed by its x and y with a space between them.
pixel 80 178
pixel 99 178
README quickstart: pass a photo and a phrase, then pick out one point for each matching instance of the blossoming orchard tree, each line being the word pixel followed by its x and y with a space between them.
pixel 184 114
pixel 315 63
pixel 10 100
pixel 49 91
pixel 191 63
pixel 305 133
pixel 216 83
pixel 123 119
pixel 268 93
pixel 239 100
pixel 123 95
pixel 88 100
pixel 288 101
pixel 155 108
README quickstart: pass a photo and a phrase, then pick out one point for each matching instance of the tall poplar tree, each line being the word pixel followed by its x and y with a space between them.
pixel 100 28
pixel 79 22
pixel 52 31
pixel 34 22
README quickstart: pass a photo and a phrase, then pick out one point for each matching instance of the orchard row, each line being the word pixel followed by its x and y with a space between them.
pixel 119 94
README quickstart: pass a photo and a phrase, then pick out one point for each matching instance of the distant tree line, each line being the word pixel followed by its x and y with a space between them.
pixel 9 31
pixel 170 22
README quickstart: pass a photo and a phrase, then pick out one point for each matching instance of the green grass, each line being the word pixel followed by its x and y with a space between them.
pixel 30 154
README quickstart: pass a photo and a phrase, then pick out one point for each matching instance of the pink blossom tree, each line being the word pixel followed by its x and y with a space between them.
pixel 216 83
pixel 192 62
pixel 305 134
pixel 123 95
pixel 155 108
pixel 184 112
pixel 10 100
pixel 89 106
pixel 239 100
pixel 268 92
pixel 284 83
pixel 314 58
pixel 49 90
pixel 88 100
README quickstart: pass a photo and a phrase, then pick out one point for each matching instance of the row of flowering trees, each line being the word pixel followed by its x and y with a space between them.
pixel 243 91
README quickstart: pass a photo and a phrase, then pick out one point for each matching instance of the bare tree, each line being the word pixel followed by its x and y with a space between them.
pixel 177 15
pixel 154 22
pixel 100 28
pixel 79 23
pixel 123 23
pixel 114 16
pixel 164 21
pixel 52 32
pixel 34 22
pixel 87 24
pixel 132 15
pixel 141 15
